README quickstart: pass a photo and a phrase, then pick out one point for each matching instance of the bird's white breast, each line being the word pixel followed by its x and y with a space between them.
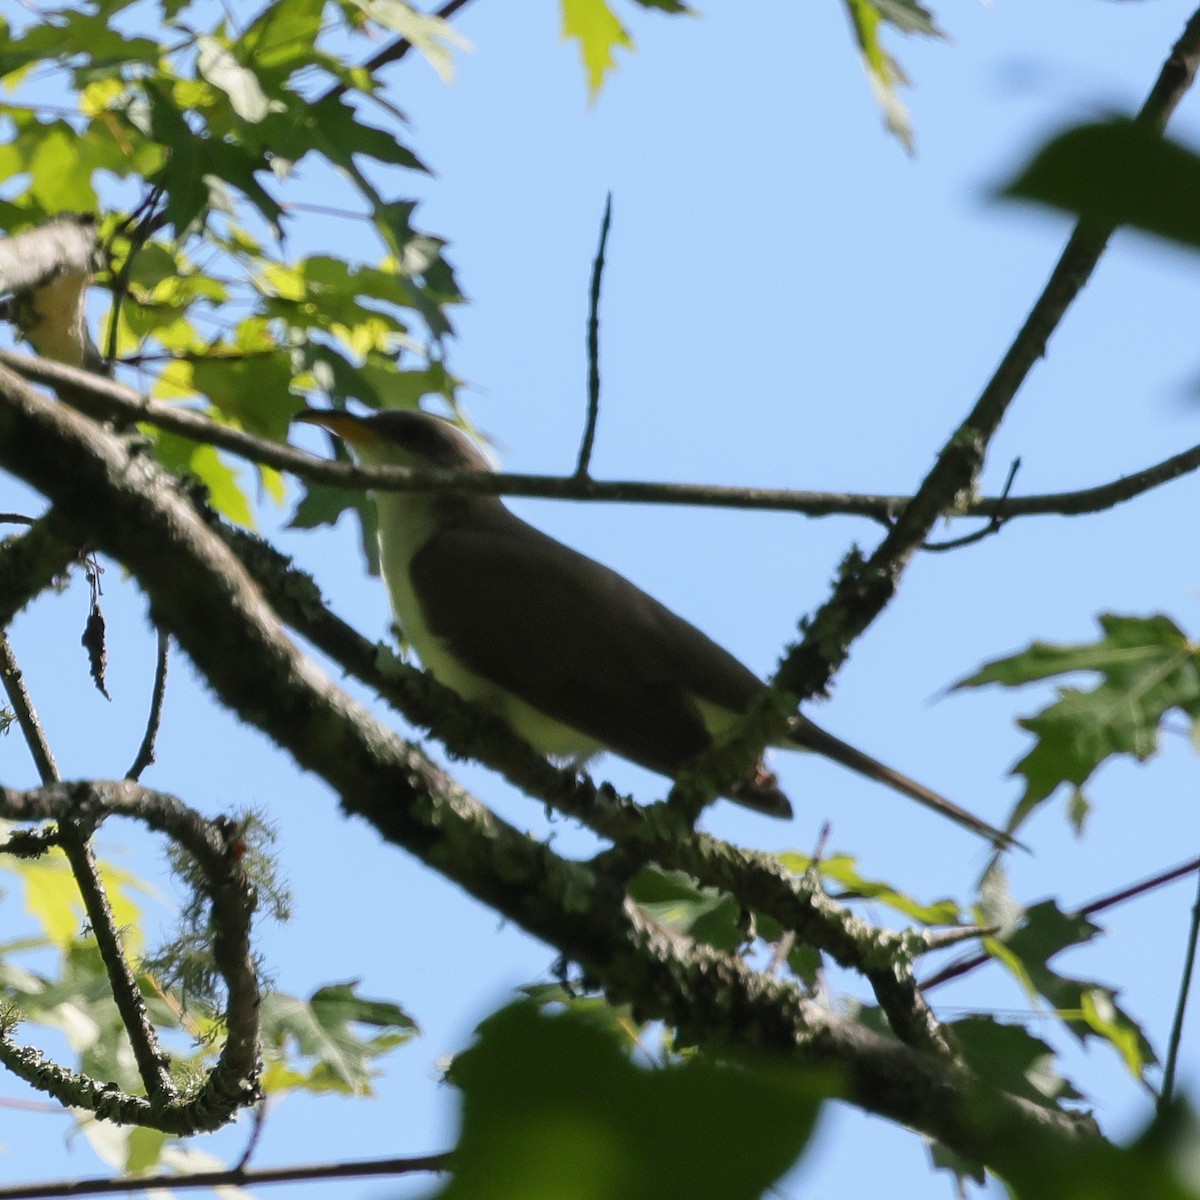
pixel 405 524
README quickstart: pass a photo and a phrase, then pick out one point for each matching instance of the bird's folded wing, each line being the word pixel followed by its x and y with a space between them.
pixel 574 640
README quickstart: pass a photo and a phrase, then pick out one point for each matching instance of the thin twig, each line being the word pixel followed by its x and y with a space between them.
pixel 258 1124
pixel 16 519
pixel 27 718
pixel 1097 499
pixel 73 841
pixel 943 939
pixel 1112 899
pixel 145 754
pixel 434 1163
pixel 965 965
pixel 50 1110
pixel 993 526
pixel 144 217
pixel 593 346
pixel 1185 984
pixel 152 1062
pixel 783 948
pixel 116 399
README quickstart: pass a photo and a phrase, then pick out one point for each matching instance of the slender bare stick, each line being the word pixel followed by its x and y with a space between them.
pixel 1185 983
pixel 1110 900
pixel 145 754
pixel 27 718
pixel 106 397
pixel 152 1062
pixel 593 347
pixel 433 1163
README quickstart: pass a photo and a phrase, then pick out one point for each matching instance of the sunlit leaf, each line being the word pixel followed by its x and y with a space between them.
pixel 52 896
pixel 599 33
pixel 883 72
pixel 432 37
pixel 217 63
pixel 282 36
pixel 677 901
pixel 842 869
pixel 327 1032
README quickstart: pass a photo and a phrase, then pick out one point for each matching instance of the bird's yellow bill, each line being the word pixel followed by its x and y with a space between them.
pixel 347 426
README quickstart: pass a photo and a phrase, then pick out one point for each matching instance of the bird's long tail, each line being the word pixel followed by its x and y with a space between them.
pixel 812 737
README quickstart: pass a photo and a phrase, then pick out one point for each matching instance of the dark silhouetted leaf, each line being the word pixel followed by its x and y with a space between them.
pixel 1118 172
pixel 552 1108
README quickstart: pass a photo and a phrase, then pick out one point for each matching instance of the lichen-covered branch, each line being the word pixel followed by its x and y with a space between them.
pixel 757 880
pixel 73 836
pixel 866 586
pixel 200 592
pixel 232 1083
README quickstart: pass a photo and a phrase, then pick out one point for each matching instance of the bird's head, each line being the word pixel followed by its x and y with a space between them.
pixel 400 438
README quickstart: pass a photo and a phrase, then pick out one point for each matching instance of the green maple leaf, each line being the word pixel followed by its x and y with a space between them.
pixel 1147 667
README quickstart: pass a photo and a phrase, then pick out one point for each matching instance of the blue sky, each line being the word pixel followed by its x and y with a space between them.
pixel 790 300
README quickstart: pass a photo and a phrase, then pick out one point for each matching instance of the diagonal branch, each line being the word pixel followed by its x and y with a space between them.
pixel 866 587
pixel 73 836
pixel 134 512
pixel 145 752
pixel 759 881
pixel 27 718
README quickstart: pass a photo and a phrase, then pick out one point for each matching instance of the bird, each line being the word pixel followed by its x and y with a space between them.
pixel 573 656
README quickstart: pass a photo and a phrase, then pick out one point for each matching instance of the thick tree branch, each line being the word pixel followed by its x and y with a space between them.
pixel 32 562
pixel 651 834
pixel 865 587
pixel 200 592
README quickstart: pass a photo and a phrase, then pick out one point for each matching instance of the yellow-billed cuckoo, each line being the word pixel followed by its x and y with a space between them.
pixel 572 655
